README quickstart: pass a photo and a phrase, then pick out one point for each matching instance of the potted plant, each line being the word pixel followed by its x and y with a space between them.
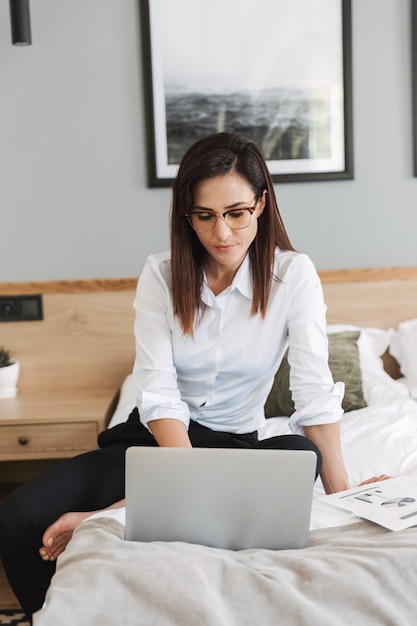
pixel 9 374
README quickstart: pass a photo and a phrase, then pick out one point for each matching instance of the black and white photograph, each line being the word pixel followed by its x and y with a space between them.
pixel 278 72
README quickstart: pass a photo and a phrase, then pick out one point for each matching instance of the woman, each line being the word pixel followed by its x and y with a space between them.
pixel 214 318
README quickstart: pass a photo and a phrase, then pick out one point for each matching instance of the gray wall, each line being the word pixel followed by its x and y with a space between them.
pixel 74 202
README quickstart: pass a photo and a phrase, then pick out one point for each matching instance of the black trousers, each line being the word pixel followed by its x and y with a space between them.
pixel 89 482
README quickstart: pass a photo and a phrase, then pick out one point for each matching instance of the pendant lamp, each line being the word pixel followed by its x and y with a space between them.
pixel 20 17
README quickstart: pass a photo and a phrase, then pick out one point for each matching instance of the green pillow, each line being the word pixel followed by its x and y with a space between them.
pixel 344 365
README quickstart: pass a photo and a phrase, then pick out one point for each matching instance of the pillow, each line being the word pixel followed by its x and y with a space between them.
pixel 378 386
pixel 344 365
pixel 403 347
pixel 126 403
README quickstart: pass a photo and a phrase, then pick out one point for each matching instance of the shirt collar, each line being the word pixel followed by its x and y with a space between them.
pixel 242 282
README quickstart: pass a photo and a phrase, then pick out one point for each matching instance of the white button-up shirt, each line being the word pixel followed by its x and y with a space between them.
pixel 222 377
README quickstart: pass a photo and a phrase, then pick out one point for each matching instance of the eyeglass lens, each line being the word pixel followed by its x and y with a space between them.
pixel 202 220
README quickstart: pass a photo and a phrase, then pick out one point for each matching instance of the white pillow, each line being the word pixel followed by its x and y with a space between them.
pixel 377 384
pixel 403 346
pixel 126 403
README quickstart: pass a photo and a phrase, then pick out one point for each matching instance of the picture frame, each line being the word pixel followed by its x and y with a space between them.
pixel 414 78
pixel 279 72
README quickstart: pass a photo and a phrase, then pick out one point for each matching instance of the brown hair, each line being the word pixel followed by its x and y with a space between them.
pixel 218 155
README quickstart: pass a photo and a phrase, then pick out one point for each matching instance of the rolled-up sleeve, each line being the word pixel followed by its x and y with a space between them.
pixel 317 398
pixel 325 408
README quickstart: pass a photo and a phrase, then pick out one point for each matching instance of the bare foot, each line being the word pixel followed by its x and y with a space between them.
pixel 58 534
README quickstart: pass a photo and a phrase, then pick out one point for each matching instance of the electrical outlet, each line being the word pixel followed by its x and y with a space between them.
pixel 20 308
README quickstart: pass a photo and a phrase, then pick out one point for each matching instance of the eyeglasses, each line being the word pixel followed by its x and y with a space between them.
pixel 207 220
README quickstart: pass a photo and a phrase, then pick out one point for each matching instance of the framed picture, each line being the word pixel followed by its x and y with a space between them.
pixel 278 72
pixel 414 77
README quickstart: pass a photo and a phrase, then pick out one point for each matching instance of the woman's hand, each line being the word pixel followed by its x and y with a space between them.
pixel 374 479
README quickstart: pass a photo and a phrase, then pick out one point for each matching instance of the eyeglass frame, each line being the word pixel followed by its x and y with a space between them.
pixel 216 216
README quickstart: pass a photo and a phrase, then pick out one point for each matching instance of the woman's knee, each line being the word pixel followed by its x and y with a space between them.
pixel 293 442
pixel 307 444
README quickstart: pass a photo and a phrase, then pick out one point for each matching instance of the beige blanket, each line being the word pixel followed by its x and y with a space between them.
pixel 359 574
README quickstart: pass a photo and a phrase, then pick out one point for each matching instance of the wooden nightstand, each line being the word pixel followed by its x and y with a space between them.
pixel 52 424
pixel 71 365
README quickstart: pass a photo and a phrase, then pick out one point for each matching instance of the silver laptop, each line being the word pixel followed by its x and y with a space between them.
pixel 224 498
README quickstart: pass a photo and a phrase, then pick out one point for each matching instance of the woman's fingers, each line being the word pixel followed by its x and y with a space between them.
pixel 375 479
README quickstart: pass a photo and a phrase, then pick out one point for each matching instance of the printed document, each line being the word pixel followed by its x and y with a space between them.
pixel 391 503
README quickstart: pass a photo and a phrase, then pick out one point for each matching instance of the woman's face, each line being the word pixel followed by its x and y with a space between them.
pixel 227 246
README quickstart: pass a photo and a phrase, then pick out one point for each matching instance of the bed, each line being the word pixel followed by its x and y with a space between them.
pixel 352 572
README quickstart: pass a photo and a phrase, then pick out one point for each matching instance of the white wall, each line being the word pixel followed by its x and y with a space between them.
pixel 74 201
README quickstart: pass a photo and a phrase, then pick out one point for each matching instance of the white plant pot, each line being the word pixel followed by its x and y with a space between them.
pixel 9 376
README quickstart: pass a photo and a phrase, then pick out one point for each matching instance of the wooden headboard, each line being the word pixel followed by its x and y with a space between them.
pixel 86 338
pixel 381 297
